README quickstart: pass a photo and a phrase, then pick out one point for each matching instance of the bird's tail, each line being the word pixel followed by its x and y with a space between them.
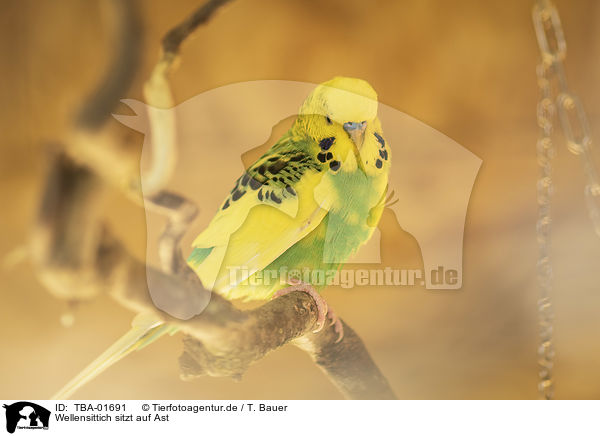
pixel 145 329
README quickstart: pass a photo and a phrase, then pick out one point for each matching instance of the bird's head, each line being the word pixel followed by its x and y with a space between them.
pixel 343 108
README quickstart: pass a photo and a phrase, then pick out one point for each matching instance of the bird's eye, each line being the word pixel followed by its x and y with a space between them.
pixel 328 120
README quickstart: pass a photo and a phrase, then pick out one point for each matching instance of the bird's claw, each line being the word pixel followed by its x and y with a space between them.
pixel 337 323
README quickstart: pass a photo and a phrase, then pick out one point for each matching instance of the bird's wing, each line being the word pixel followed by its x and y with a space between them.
pixel 271 207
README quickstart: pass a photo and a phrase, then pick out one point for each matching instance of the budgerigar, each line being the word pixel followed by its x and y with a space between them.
pixel 308 203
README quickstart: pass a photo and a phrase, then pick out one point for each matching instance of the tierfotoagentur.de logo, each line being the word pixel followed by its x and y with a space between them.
pixel 24 415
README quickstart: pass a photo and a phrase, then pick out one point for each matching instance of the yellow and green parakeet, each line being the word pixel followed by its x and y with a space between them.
pixel 308 203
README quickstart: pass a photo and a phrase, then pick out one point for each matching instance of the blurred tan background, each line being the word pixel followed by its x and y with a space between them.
pixel 466 68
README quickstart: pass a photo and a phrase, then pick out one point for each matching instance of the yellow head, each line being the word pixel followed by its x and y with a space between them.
pixel 343 108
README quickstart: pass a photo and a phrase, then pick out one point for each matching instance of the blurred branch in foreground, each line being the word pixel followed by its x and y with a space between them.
pixel 78 258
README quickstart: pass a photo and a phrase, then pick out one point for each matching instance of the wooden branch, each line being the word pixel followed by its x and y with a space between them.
pixel 175 37
pixel 102 102
pixel 78 258
pixel 159 97
pixel 347 364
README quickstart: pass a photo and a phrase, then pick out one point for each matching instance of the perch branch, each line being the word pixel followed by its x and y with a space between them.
pixel 77 257
pixel 98 107
pixel 160 99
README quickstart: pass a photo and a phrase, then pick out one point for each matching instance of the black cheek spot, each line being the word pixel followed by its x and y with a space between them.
pixel 326 143
pixel 291 190
pixel 321 157
pixel 260 195
pixel 383 154
pixel 275 198
pixel 237 195
pixel 334 165
pixel 226 205
pixel 267 195
pixel 328 120
pixel 378 163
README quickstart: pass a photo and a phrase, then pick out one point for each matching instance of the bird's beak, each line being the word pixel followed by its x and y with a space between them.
pixel 356 131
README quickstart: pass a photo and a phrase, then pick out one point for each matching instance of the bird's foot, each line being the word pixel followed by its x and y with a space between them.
pixel 320 301
pixel 323 311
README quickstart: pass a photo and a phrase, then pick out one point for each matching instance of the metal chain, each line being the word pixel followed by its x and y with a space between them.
pixel 545 154
pixel 575 127
pixel 573 119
